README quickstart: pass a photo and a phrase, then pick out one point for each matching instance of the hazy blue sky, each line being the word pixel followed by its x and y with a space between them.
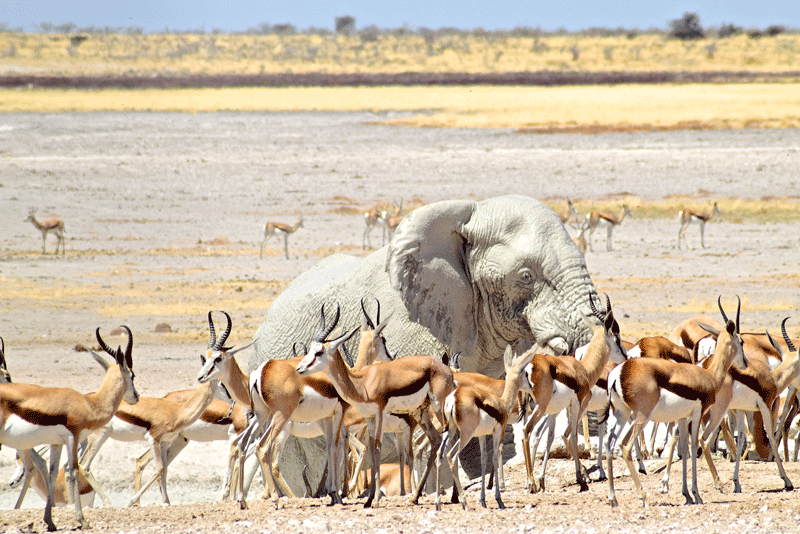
pixel 239 15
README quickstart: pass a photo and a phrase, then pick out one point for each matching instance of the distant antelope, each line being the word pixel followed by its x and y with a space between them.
pixel 688 217
pixel 393 221
pixel 596 219
pixel 567 214
pixel 272 228
pixel 54 225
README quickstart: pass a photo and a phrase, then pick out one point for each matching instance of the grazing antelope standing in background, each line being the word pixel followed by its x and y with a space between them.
pixel 597 219
pixel 688 217
pixel 372 218
pixel 279 228
pixel 567 214
pixel 54 225
pixel 33 415
pixel 394 220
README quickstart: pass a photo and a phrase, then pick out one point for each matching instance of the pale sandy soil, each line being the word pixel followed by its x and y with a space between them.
pixel 163 215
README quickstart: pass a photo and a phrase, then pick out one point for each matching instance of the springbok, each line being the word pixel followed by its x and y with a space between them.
pixel 33 415
pixel 477 412
pixel 597 219
pixel 54 225
pixel 412 384
pixel 653 389
pixel 281 229
pixel 688 216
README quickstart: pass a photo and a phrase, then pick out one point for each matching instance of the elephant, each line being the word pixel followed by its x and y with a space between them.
pixel 458 275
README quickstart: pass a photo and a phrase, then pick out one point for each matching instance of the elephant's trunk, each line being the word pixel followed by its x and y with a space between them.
pixel 558 325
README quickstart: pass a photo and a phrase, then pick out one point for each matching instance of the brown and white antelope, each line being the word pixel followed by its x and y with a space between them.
pixel 375 217
pixel 567 214
pixel 280 397
pixel 280 229
pixel 392 221
pixel 599 219
pixel 33 415
pixel 473 411
pixel 413 384
pixel 156 421
pixel 688 216
pixel 220 421
pixel 653 389
pixel 569 383
pixel 54 225
pixel 28 474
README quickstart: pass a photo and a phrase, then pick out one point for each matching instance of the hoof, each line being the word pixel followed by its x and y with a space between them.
pixel 242 505
pixel 788 487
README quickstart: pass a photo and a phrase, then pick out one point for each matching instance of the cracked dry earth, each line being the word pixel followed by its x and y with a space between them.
pixel 163 214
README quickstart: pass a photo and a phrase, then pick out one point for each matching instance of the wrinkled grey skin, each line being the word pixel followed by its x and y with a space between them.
pixel 458 275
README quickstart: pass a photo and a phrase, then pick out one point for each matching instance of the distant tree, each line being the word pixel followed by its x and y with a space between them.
pixel 345 25
pixel 46 27
pixel 687 27
pixel 728 29
pixel 66 27
pixel 370 34
pixel 284 29
pixel 775 29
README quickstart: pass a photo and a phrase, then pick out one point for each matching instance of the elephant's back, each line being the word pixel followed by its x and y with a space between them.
pixel 294 315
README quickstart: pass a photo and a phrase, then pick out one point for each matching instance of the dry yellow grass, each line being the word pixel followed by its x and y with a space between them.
pixel 613 107
pixel 391 53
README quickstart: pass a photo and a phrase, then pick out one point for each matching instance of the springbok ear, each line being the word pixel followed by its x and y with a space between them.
pixel 710 329
pixel 508 357
pixel 523 360
pixel 239 349
pixel 774 344
pixel 427 263
pixel 592 326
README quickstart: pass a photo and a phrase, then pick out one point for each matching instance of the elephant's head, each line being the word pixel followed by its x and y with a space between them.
pixel 481 275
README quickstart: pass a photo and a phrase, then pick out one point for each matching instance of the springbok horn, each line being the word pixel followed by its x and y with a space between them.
pixel 786 336
pixel 594 308
pixel 103 344
pixel 294 348
pixel 378 316
pixel 608 304
pixel 224 337
pixel 719 303
pixel 212 334
pixel 366 315
pixel 129 348
pixel 329 328
pixel 320 337
pixel 738 312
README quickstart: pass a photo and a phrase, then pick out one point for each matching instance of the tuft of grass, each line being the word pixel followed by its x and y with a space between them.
pixel 733 210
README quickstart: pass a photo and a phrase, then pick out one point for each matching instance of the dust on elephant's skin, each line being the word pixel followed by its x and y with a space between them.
pixel 458 275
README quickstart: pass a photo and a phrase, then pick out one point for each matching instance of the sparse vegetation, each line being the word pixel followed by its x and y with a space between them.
pixel 280 49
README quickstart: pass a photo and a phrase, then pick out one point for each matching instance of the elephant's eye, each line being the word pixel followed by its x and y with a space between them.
pixel 526 276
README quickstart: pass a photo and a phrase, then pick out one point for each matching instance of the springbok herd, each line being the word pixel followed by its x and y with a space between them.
pixel 704 370
pixel 378 217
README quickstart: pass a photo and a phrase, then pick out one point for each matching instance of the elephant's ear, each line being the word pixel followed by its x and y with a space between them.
pixel 427 265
